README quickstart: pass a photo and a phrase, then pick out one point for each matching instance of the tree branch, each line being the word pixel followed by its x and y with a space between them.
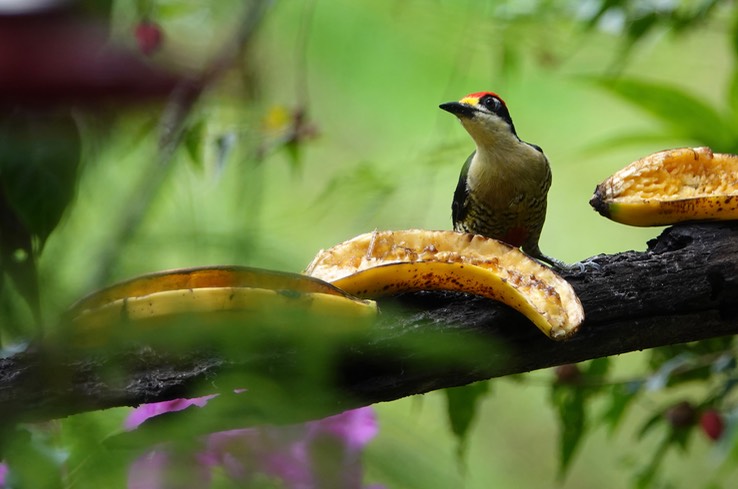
pixel 683 288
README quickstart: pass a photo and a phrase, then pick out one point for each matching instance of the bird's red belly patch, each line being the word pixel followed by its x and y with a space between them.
pixel 515 236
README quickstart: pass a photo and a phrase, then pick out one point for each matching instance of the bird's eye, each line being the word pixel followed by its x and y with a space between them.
pixel 490 103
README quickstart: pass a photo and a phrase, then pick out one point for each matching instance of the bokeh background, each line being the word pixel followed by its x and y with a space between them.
pixel 375 152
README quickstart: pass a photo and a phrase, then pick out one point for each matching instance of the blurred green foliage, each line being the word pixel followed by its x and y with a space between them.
pixel 326 127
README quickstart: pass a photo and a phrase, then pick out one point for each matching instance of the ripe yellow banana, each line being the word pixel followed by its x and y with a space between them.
pixel 686 184
pixel 202 277
pixel 390 262
pixel 238 295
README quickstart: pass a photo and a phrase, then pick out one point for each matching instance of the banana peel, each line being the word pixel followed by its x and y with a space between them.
pixel 384 263
pixel 204 277
pixel 677 185
pixel 234 295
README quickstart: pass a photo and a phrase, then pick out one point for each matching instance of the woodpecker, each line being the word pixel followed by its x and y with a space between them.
pixel 503 185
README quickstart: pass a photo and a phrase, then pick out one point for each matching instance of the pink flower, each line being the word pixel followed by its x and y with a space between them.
pixel 161 469
pixel 319 454
pixel 146 411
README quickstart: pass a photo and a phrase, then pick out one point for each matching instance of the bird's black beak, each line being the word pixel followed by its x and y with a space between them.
pixel 458 109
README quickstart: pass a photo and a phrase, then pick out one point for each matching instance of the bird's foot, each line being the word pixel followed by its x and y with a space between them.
pixel 580 267
pixel 588 265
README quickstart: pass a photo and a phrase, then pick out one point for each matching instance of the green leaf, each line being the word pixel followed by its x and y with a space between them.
pixel 663 376
pixel 17 258
pixel 88 462
pixel 728 445
pixel 569 403
pixel 701 13
pixel 651 423
pixel 598 368
pixel 677 364
pixel 647 476
pixel 39 160
pixel 193 143
pixel 621 398
pixel 680 437
pixel 605 6
pixel 642 25
pixel 225 144
pixel 294 155
pixel 144 8
pixel 686 115
pixel 97 8
pixel 32 462
pixel 724 364
pixel 462 404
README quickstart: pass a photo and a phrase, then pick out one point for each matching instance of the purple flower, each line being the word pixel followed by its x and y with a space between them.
pixel 146 411
pixel 319 454
pixel 161 469
pixel 3 474
pixel 356 428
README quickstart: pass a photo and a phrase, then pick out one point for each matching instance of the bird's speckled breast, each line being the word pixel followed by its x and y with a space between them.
pixel 507 200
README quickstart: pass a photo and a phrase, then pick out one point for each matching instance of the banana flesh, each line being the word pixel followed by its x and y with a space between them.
pixel 390 262
pixel 237 295
pixel 678 185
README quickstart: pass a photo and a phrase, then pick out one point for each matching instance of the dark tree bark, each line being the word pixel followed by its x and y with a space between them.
pixel 683 288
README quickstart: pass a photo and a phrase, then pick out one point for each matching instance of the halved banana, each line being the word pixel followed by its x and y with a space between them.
pixel 204 277
pixel 389 262
pixel 236 295
pixel 677 185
